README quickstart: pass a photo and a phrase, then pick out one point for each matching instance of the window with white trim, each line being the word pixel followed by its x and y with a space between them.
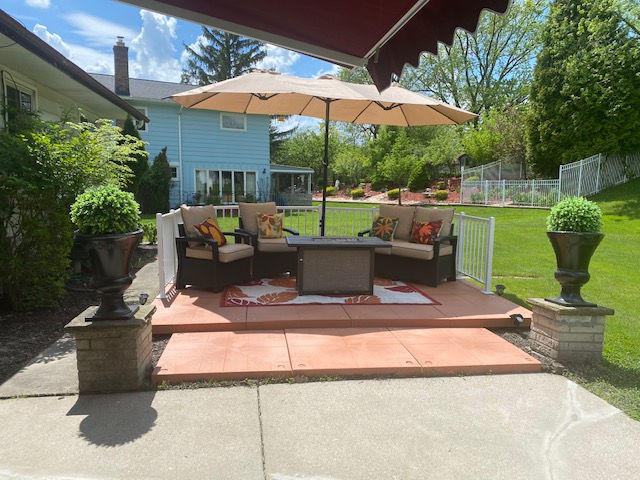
pixel 225 186
pixel 233 121
pixel 141 125
pixel 19 98
pixel 175 172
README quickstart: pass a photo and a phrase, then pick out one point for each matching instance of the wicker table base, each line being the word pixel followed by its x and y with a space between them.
pixel 336 265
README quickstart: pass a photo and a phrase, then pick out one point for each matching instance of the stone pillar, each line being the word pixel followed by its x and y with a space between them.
pixel 113 355
pixel 568 334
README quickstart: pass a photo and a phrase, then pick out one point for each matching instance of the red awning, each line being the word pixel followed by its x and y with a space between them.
pixel 381 34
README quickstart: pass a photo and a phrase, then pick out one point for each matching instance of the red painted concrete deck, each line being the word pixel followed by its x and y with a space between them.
pixel 463 305
pixel 236 355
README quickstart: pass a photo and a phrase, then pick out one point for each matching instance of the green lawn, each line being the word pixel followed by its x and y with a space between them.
pixel 524 262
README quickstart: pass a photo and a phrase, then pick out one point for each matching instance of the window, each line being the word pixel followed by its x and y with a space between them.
pixel 175 172
pixel 226 186
pixel 141 125
pixel 233 121
pixel 20 99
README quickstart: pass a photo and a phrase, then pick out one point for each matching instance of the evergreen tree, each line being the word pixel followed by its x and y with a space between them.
pixel 585 96
pixel 219 56
pixel 155 186
pixel 141 163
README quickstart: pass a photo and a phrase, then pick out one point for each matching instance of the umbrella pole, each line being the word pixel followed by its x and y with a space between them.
pixel 325 165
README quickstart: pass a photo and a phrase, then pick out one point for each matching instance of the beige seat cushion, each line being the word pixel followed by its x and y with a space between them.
pixel 383 251
pixel 249 212
pixel 424 214
pixel 194 215
pixel 226 254
pixel 418 251
pixel 274 245
pixel 404 216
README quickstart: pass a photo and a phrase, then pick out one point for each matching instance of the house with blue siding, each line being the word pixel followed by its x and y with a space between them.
pixel 215 157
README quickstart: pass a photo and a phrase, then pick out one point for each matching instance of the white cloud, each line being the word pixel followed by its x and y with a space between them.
pixel 38 3
pixel 300 122
pixel 97 31
pixel 278 59
pixel 153 49
pixel 89 59
pixel 332 70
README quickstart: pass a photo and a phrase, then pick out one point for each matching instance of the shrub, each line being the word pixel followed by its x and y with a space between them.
pixel 150 232
pixel 393 194
pixel 140 162
pixel 472 178
pixel 477 197
pixel 441 195
pixel 105 210
pixel 419 177
pixel 331 191
pixel 441 185
pixel 357 193
pixel 575 214
pixel 155 185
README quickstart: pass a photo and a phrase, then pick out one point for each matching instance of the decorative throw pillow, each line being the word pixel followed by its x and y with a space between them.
pixel 209 229
pixel 423 232
pixel 384 228
pixel 270 226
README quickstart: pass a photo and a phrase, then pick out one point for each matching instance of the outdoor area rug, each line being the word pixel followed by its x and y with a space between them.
pixel 282 291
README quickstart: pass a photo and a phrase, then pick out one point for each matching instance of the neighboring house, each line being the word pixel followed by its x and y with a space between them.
pixel 36 78
pixel 215 156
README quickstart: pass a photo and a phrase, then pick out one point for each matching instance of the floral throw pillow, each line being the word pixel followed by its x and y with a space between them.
pixel 384 228
pixel 270 226
pixel 209 229
pixel 423 232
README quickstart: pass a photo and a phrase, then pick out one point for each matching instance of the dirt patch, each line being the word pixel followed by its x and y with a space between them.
pixel 25 334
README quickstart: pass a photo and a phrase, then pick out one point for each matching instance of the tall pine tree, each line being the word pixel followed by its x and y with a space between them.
pixel 220 55
pixel 585 96
pixel 141 164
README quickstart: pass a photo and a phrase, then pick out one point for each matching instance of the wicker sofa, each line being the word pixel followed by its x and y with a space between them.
pixel 202 262
pixel 427 264
pixel 272 255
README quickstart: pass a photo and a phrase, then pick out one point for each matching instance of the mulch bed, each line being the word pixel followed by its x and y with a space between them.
pixel 25 334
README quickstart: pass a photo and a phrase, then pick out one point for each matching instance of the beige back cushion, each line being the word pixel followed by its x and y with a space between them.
pixel 424 214
pixel 194 215
pixel 404 216
pixel 249 212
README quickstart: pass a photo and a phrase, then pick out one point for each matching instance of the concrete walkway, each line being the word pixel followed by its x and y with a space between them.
pixel 525 426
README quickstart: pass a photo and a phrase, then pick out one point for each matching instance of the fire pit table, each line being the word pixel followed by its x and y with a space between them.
pixel 336 265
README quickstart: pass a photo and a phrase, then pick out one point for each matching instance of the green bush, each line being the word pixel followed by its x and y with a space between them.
pixel 441 195
pixel 393 194
pixel 472 178
pixel 477 197
pixel 357 193
pixel 331 191
pixel 441 185
pixel 150 232
pixel 575 214
pixel 155 185
pixel 105 210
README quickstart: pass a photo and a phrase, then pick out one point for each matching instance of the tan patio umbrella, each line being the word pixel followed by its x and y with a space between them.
pixel 326 97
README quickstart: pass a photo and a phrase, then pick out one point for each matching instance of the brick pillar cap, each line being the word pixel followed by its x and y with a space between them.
pixel 79 324
pixel 564 310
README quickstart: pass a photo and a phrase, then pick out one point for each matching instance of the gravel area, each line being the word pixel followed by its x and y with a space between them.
pixel 520 338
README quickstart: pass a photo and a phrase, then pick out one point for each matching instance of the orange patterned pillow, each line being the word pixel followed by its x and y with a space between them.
pixel 423 232
pixel 270 226
pixel 209 229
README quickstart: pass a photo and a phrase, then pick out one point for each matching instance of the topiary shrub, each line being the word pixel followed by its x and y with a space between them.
pixel 441 195
pixel 331 191
pixel 393 194
pixel 357 193
pixel 575 214
pixel 105 210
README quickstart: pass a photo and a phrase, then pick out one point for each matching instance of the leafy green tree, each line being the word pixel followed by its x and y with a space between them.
pixel 351 165
pixel 156 185
pixel 141 159
pixel 398 163
pixel 585 97
pixel 491 67
pixel 359 132
pixel 277 137
pixel 219 56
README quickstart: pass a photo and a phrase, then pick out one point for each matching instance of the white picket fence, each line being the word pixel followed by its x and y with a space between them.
pixel 582 178
pixel 475 236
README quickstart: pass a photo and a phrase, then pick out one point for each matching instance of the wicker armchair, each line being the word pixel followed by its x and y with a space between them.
pixel 202 262
pixel 272 255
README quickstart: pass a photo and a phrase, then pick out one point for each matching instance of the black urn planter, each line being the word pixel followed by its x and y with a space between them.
pixel 111 257
pixel 573 254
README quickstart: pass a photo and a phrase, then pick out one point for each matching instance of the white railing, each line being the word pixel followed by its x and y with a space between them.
pixel 475 236
pixel 532 193
pixel 593 174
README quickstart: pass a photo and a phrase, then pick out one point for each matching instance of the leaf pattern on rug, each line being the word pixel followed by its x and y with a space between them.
pixel 235 292
pixel 401 288
pixel 363 300
pixel 242 302
pixel 383 282
pixel 280 297
pixel 287 282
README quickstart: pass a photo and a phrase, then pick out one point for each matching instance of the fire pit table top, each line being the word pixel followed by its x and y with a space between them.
pixel 333 242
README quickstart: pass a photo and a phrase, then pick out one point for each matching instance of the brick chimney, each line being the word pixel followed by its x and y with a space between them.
pixel 121 67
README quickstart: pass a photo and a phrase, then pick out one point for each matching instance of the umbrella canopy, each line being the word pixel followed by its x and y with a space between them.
pixel 327 97
pixel 382 35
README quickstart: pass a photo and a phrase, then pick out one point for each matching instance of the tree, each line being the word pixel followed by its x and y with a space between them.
pixel 351 165
pixel 360 132
pixel 585 96
pixel 492 67
pixel 141 159
pixel 397 164
pixel 156 185
pixel 277 138
pixel 219 56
